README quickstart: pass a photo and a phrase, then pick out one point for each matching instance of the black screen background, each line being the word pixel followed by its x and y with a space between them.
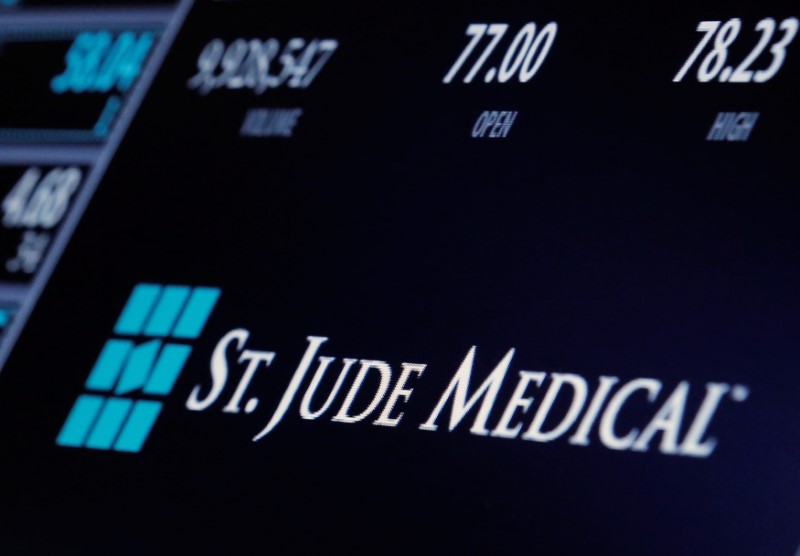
pixel 604 236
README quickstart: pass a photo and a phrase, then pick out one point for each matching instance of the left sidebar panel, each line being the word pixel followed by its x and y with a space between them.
pixel 71 79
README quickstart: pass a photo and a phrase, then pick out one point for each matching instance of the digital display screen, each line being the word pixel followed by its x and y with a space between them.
pixel 480 278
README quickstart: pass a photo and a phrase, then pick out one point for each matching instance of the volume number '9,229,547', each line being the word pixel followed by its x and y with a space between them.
pixel 246 64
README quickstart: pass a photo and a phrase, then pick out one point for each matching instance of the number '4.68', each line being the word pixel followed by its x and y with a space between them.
pixel 37 201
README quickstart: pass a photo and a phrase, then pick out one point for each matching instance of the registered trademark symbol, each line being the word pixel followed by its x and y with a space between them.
pixel 739 393
pixel 251 405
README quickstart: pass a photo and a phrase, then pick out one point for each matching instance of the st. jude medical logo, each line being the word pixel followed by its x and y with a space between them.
pixel 137 367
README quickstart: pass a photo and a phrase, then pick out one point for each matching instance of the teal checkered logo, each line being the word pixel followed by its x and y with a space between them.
pixel 106 418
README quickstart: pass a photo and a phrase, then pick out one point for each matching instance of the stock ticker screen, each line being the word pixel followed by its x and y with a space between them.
pixel 390 278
